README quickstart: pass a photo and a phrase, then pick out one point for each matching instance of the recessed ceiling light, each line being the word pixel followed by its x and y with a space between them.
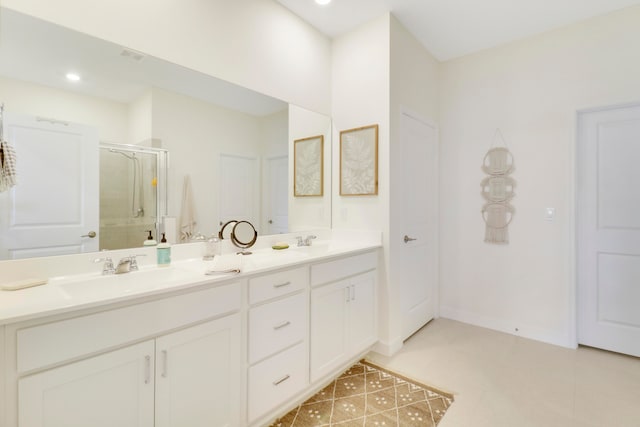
pixel 323 2
pixel 73 77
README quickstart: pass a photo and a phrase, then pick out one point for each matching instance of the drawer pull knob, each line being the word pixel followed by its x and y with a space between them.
pixel 282 325
pixel 283 379
pixel 282 285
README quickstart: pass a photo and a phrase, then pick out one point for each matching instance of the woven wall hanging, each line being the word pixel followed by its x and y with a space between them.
pixel 497 191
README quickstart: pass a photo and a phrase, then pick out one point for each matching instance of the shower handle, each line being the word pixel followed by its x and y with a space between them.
pixel 90 234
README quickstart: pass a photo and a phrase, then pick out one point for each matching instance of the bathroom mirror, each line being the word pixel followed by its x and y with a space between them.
pixel 235 144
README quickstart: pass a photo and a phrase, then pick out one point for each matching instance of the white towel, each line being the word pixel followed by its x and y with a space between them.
pixel 231 263
pixel 187 212
pixel 7 166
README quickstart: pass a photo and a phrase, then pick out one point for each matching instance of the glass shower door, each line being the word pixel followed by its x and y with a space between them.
pixel 129 195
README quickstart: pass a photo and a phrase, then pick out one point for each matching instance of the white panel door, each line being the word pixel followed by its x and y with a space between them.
pixel 55 202
pixel 239 195
pixel 609 229
pixel 277 210
pixel 113 389
pixel 198 379
pixel 418 257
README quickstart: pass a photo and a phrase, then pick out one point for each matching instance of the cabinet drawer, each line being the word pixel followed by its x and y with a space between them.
pixel 335 270
pixel 276 380
pixel 273 285
pixel 277 325
pixel 51 343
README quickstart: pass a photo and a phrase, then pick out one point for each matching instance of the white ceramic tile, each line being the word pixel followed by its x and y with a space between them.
pixel 503 380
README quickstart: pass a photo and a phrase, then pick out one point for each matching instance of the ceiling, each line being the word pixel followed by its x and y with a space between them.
pixel 453 28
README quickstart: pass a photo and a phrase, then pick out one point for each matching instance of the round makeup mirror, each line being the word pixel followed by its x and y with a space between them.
pixel 227 229
pixel 243 236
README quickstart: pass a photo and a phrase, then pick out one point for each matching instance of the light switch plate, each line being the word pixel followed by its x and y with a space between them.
pixel 549 214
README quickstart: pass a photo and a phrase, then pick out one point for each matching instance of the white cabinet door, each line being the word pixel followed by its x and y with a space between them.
pixel 329 337
pixel 113 389
pixel 362 313
pixel 198 375
pixel 343 322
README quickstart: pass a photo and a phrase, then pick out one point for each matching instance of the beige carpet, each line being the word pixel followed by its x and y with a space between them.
pixel 368 395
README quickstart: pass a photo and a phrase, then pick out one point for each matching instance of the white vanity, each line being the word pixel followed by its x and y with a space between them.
pixel 174 347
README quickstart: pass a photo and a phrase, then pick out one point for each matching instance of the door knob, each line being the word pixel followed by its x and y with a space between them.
pixel 408 239
pixel 270 221
pixel 90 234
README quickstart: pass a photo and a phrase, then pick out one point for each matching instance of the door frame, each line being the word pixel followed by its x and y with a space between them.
pixel 573 214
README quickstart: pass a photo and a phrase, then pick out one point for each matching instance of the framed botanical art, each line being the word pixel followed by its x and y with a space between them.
pixel 308 166
pixel 359 161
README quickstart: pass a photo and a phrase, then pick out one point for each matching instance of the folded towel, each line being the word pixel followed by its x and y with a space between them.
pixel 22 284
pixel 7 166
pixel 187 212
pixel 231 263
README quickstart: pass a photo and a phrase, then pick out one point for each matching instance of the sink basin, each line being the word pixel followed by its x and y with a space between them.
pixel 320 248
pixel 270 257
pixel 99 286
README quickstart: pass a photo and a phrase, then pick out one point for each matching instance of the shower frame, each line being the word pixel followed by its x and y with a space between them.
pixel 162 167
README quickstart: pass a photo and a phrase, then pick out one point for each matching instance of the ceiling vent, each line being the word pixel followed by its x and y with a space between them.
pixel 132 54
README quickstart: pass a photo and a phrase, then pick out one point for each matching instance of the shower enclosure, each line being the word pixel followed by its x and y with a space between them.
pixel 133 195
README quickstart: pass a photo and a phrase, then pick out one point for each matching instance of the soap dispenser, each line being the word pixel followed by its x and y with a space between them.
pixel 150 240
pixel 164 252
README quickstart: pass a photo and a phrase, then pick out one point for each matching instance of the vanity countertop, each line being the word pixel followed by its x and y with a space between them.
pixel 63 294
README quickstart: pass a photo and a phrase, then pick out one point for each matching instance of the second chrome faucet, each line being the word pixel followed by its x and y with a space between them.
pixel 307 241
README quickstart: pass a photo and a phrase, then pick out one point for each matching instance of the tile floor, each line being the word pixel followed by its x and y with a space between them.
pixel 502 380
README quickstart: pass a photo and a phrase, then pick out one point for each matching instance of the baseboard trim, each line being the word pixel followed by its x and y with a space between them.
pixel 386 348
pixel 497 324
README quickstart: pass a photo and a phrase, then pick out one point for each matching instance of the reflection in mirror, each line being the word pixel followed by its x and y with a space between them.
pixel 133 188
pixel 233 142
pixel 307 213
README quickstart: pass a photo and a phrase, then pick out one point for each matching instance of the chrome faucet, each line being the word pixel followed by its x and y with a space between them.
pixel 124 265
pixel 127 264
pixel 108 267
pixel 307 241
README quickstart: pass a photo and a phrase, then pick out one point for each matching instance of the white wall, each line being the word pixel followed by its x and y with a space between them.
pixel 360 97
pixel 140 119
pixel 530 90
pixel 109 117
pixel 378 69
pixel 258 44
pixel 414 87
pixel 309 213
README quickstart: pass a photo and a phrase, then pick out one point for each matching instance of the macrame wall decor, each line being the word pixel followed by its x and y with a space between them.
pixel 497 191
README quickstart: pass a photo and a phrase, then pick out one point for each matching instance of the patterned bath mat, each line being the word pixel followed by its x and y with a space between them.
pixel 368 395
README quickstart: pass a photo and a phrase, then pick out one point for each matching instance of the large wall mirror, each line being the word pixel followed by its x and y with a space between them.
pixel 132 137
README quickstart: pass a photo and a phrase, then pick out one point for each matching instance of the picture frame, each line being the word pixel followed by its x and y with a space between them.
pixel 308 166
pixel 359 161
